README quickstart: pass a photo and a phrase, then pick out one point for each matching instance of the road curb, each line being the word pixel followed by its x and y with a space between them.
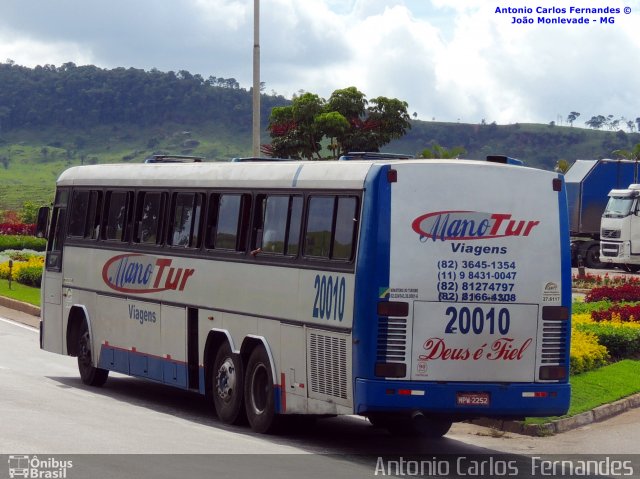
pixel 597 414
pixel 19 306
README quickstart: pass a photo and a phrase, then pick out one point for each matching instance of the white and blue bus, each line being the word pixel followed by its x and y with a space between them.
pixel 413 292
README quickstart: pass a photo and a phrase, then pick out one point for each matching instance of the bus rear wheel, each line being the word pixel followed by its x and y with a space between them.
pixel 417 425
pixel 259 392
pixel 89 374
pixel 226 383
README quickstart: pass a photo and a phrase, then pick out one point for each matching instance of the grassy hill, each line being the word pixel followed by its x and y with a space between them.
pixel 52 118
pixel 35 157
pixel 537 145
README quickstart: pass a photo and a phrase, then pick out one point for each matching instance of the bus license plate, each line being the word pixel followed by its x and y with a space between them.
pixel 473 399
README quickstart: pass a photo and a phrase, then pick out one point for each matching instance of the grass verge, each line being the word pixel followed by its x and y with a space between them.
pixel 598 387
pixel 26 294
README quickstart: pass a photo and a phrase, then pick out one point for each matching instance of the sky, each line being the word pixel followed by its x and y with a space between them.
pixel 450 60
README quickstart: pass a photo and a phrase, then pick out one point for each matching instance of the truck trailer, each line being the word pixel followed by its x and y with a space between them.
pixel 588 185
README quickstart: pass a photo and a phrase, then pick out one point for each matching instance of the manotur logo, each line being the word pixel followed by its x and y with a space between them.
pixel 470 225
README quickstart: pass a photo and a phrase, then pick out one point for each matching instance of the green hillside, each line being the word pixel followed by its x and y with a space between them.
pixel 52 118
pixel 537 145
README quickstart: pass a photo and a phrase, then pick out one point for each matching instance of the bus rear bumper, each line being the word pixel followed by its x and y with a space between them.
pixel 463 400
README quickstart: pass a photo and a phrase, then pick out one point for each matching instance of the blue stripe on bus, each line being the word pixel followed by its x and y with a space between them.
pixel 134 363
pixel 372 269
pixel 565 257
pixel 294 183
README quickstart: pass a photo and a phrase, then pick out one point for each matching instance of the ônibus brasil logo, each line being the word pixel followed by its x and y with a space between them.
pixel 470 225
pixel 139 273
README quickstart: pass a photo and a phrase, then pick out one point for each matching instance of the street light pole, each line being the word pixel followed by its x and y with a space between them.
pixel 256 78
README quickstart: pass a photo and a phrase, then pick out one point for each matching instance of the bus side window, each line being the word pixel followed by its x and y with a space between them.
pixel 186 220
pixel 116 215
pixel 78 213
pixel 57 231
pixel 92 229
pixel 279 224
pixel 317 241
pixel 345 228
pixel 231 222
pixel 148 218
pixel 275 224
pixel 331 227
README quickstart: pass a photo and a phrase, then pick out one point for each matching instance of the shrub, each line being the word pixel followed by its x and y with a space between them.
pixel 626 313
pixel 624 292
pixel 24 272
pixel 589 280
pixel 580 308
pixel 586 353
pixel 622 340
pixel 17 229
pixel 29 276
pixel 22 242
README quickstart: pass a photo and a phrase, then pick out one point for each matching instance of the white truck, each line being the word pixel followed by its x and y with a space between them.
pixel 620 229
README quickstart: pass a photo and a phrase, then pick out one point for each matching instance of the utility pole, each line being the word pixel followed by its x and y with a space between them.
pixel 256 78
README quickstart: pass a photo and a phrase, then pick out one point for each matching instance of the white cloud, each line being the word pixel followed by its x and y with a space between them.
pixel 448 59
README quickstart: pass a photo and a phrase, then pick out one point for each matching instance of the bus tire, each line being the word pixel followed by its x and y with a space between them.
pixel 435 428
pixel 423 426
pixel 259 392
pixel 89 374
pixel 226 385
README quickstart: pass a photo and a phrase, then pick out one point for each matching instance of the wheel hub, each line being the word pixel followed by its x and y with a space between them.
pixel 226 380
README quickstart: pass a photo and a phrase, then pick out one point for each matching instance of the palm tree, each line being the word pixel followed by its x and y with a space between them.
pixel 441 152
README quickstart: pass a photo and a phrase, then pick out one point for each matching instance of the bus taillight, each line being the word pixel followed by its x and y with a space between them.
pixel 552 373
pixel 393 309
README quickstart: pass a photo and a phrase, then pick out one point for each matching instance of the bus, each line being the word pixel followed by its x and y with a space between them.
pixel 415 293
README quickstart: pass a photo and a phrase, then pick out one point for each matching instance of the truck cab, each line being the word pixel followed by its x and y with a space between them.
pixel 620 229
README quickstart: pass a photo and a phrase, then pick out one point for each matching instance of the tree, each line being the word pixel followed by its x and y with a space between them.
pixel 439 152
pixel 562 166
pixel 631 126
pixel 347 120
pixel 633 154
pixel 573 116
pixel 334 125
pixel 596 122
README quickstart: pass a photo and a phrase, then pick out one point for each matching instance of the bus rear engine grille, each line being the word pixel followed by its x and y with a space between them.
pixel 392 339
pixel 554 342
pixel 328 365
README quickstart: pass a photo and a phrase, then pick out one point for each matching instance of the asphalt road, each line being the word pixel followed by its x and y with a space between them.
pixel 46 410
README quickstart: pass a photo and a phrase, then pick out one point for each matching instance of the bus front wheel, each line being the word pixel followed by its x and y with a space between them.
pixel 259 392
pixel 227 387
pixel 89 374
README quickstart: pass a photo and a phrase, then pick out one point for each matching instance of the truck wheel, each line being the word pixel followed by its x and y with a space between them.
pixel 259 392
pixel 631 268
pixel 226 384
pixel 89 374
pixel 592 257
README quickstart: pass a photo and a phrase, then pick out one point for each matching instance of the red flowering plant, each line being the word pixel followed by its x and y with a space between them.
pixel 624 292
pixel 590 280
pixel 17 229
pixel 625 313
